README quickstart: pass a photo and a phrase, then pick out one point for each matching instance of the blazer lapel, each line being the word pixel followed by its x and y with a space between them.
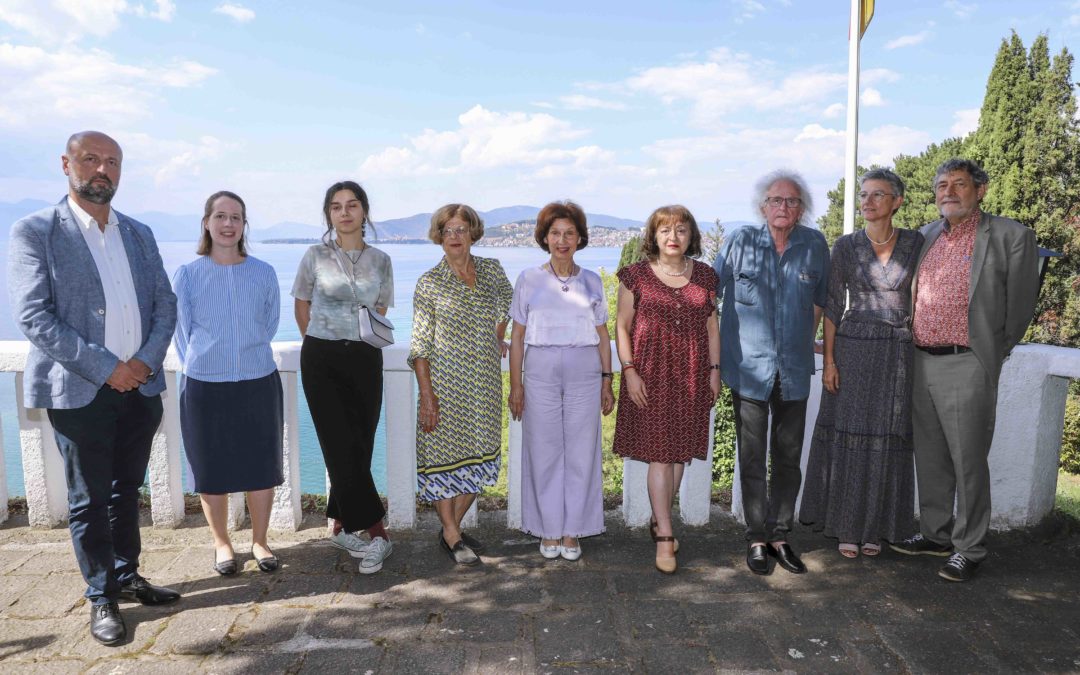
pixel 133 249
pixel 76 246
pixel 978 256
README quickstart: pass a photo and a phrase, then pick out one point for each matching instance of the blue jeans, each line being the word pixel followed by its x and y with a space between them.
pixel 106 447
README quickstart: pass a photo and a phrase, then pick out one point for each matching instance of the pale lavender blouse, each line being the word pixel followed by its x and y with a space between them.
pixel 556 318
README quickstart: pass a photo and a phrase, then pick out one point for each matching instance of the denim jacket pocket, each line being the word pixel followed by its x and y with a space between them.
pixel 746 292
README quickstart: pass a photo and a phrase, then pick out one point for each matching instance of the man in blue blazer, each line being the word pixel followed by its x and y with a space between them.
pixel 90 293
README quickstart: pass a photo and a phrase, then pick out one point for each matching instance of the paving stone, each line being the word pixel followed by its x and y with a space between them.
pixel 1047 647
pixel 385 623
pixel 248 662
pixel 267 626
pixel 668 657
pixel 584 636
pixel 11 559
pixel 40 639
pixel 195 631
pixel 655 619
pixel 51 667
pixel 47 562
pixel 429 659
pixel 502 659
pixel 485 626
pixel 144 624
pixel 13 588
pixel 49 596
pixel 156 665
pixel 307 590
pixel 345 660
pixel 936 647
pixel 739 645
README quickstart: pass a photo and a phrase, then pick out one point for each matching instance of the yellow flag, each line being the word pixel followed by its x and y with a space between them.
pixel 867 14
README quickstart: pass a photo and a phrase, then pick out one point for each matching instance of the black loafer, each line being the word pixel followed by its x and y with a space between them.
pixel 141 590
pixel 460 552
pixel 106 624
pixel 268 564
pixel 757 559
pixel 225 568
pixel 787 559
pixel 472 542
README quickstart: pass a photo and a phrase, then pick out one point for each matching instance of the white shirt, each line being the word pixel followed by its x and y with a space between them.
pixel 554 317
pixel 123 323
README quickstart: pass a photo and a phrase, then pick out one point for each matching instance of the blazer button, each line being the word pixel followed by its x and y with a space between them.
pixel 101 311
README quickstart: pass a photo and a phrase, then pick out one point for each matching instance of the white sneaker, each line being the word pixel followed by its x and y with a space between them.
pixel 570 552
pixel 377 551
pixel 347 541
pixel 549 552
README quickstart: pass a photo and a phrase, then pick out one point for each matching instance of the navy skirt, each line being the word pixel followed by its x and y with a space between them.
pixel 233 433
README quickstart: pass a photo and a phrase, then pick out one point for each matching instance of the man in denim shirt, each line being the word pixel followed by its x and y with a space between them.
pixel 773 286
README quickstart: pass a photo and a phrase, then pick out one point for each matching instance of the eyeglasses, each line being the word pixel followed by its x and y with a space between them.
pixel 777 202
pixel 875 196
pixel 454 231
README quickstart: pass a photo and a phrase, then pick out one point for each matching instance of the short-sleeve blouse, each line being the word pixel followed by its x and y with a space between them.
pixel 323 280
pixel 556 318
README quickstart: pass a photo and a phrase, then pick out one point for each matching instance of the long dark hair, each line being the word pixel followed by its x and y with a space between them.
pixel 353 187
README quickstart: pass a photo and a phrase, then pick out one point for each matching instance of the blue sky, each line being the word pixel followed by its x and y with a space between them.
pixel 622 106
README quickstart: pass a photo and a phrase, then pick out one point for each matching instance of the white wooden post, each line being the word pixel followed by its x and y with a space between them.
pixel 286 513
pixel 513 477
pixel 166 473
pixel 695 493
pixel 400 439
pixel 43 468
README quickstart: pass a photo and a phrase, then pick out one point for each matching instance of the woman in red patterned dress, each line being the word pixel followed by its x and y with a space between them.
pixel 669 344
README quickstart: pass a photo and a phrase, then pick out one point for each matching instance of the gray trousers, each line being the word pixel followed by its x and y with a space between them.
pixel 953 409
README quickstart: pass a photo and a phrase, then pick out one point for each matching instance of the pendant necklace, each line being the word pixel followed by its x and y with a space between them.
pixel 565 282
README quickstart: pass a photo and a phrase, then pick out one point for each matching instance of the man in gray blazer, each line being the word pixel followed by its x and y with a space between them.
pixel 89 291
pixel 974 292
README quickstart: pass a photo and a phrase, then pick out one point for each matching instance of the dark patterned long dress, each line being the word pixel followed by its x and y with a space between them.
pixel 860 475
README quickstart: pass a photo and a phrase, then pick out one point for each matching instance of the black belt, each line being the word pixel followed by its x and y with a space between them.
pixel 947 349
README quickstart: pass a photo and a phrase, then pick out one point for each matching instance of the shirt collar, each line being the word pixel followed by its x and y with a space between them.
pixel 765 237
pixel 85 219
pixel 967 223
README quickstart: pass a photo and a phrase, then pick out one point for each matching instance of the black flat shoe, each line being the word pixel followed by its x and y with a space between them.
pixel 787 558
pixel 225 568
pixel 757 559
pixel 141 590
pixel 268 564
pixel 106 624
pixel 460 552
pixel 472 542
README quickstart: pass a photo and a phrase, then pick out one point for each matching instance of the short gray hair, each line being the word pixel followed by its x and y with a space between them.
pixel 784 175
pixel 978 176
pixel 894 181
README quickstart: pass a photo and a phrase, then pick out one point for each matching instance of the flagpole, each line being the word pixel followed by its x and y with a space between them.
pixel 851 153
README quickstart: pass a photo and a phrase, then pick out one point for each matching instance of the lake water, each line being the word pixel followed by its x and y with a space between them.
pixel 410 261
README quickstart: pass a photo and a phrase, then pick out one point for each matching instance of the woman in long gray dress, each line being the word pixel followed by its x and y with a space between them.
pixel 860 475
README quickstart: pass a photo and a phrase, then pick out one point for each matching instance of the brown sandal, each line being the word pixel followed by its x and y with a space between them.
pixel 652 533
pixel 666 565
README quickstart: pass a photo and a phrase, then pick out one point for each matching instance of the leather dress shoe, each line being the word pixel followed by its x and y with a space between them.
pixel 787 558
pixel 757 559
pixel 225 568
pixel 106 624
pixel 141 590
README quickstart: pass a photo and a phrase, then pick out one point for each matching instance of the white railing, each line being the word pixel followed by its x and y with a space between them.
pixel 1023 459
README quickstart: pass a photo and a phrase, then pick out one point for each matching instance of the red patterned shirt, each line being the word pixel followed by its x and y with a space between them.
pixel 941 304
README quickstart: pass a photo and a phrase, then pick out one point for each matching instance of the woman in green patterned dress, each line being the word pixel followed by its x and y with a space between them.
pixel 460 311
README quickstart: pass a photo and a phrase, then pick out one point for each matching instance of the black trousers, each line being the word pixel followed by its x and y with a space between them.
pixel 769 496
pixel 106 447
pixel 343 382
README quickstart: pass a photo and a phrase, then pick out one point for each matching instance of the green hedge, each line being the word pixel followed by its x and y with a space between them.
pixel 1070 440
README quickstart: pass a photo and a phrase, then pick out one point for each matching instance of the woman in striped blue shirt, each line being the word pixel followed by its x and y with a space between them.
pixel 231 409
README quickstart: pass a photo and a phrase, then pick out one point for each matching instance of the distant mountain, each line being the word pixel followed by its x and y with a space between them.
pixel 185 227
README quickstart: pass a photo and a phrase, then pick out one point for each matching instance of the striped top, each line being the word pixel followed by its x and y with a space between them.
pixel 226 316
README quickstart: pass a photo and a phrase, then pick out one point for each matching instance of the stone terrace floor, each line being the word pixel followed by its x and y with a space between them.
pixel 609 612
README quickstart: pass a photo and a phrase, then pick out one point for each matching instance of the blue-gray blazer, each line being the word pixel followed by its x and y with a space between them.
pixel 58 303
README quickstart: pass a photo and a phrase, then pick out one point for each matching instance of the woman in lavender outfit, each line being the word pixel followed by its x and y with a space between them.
pixel 560 382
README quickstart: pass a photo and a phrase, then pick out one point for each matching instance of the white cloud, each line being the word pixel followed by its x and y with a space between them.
pixel 908 40
pixel 964 122
pixel 582 102
pixel 60 21
pixel 816 132
pixel 87 85
pixel 420 29
pixel 882 144
pixel 485 140
pixel 871 98
pixel 728 82
pixel 238 13
pixel 878 76
pixel 166 10
pixel 963 10
pixel 835 110
pixel 747 9
pixel 166 161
